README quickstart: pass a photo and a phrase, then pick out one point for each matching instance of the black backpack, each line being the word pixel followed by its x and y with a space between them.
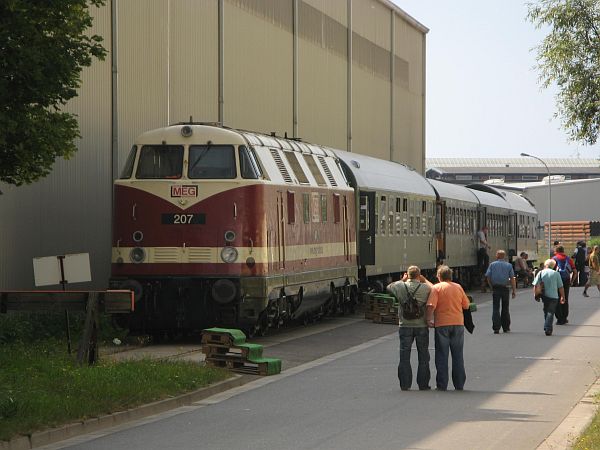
pixel 411 309
pixel 579 257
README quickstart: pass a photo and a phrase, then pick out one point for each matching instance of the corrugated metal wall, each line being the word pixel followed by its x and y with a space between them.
pixel 168 65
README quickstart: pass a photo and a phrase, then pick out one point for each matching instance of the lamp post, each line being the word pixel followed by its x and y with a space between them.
pixel 549 200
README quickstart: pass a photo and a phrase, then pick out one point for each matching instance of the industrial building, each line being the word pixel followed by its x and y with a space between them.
pixel 349 74
pixel 509 170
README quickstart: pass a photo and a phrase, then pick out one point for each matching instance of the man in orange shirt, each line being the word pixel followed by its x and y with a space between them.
pixel 447 301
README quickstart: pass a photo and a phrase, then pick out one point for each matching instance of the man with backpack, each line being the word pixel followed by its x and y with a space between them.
pixel 568 273
pixel 412 293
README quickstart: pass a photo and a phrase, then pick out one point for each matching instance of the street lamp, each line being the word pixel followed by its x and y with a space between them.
pixel 549 200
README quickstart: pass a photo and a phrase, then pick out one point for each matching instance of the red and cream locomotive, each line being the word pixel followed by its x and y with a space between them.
pixel 220 226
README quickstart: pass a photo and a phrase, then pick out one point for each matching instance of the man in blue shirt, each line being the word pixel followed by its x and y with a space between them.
pixel 498 274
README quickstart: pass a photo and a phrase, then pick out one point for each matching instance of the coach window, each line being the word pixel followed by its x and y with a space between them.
pixel 128 169
pixel 248 165
pixel 363 213
pixel 398 216
pixel 160 161
pixel 306 207
pixel 211 162
pixel 391 215
pixel 382 214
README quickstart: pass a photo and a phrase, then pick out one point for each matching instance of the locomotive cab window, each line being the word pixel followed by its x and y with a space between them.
pixel 160 161
pixel 212 162
pixel 248 166
pixel 128 169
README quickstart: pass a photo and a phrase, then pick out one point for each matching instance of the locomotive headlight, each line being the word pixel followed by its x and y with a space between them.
pixel 229 236
pixel 229 254
pixel 137 255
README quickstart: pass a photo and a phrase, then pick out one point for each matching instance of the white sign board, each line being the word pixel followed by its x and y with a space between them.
pixel 46 270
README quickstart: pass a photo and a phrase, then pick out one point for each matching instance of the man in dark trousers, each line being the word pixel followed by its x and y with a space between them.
pixel 498 275
pixel 568 273
pixel 580 258
pixel 414 285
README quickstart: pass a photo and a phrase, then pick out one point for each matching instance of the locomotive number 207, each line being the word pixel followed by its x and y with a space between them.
pixel 183 219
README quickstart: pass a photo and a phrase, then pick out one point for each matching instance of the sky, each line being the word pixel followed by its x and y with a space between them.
pixel 483 95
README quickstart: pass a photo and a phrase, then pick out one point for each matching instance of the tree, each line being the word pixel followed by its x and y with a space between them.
pixel 569 56
pixel 43 49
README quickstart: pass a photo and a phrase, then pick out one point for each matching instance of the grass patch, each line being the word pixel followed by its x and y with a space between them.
pixel 590 439
pixel 41 386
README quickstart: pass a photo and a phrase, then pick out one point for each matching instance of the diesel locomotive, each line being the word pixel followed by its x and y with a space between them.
pixel 217 226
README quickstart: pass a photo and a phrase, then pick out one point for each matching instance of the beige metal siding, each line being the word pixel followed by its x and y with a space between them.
pixel 193 61
pixel 322 73
pixel 409 146
pixel 371 88
pixel 143 69
pixel 258 65
pixel 70 210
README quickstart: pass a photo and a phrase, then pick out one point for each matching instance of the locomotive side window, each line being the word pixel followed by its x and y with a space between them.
pixel 363 213
pixel 291 207
pixel 316 173
pixel 248 166
pixel 336 208
pixel 323 208
pixel 212 162
pixel 293 161
pixel 128 169
pixel 160 161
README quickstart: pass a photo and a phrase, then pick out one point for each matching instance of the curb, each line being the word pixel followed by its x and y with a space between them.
pixel 568 431
pixel 71 430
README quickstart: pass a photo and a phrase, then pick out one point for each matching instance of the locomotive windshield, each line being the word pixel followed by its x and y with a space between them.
pixel 212 162
pixel 160 161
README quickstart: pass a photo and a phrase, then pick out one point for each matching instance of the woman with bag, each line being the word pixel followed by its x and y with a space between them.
pixel 594 279
pixel 553 292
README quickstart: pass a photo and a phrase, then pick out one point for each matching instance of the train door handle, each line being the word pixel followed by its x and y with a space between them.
pixel 369 239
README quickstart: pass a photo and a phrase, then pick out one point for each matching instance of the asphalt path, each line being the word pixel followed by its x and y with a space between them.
pixel 520 386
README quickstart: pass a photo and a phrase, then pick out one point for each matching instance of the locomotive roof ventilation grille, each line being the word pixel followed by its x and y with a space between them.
pixel 327 171
pixel 280 165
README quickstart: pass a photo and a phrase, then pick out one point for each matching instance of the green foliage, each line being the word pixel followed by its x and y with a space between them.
pixel 27 328
pixel 43 48
pixel 41 386
pixel 569 56
pixel 593 241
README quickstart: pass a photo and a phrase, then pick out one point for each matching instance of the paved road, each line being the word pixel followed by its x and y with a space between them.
pixel 519 387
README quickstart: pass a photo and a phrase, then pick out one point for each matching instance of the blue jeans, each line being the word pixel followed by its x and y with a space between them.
pixel 550 305
pixel 500 296
pixel 421 336
pixel 450 339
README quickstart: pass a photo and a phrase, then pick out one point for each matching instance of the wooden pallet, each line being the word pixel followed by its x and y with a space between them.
pixel 223 336
pixel 244 351
pixel 386 319
pixel 266 366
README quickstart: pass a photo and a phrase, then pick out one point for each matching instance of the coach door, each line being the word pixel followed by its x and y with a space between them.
pixel 367 225
pixel 440 231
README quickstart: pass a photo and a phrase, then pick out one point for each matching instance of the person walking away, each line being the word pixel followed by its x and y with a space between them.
pixel 553 249
pixel 522 269
pixel 566 268
pixel 594 264
pixel 498 275
pixel 553 294
pixel 445 312
pixel 483 259
pixel 413 287
pixel 580 258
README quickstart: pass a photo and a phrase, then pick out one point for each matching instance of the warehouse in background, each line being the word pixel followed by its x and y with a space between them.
pixel 349 74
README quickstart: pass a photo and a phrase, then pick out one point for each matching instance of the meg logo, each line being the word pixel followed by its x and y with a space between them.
pixel 184 191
